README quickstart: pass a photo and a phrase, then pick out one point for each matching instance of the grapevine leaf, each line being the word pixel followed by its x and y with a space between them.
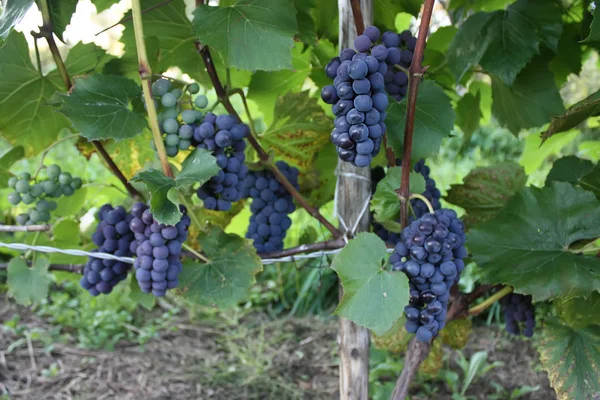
pixel 579 312
pixel 534 154
pixel 433 363
pixel 99 107
pixel 102 5
pixel 373 297
pixel 28 284
pixel 146 300
pixel 394 340
pixel 131 155
pixel 570 356
pixel 8 158
pixel 326 18
pixel 529 102
pixel 226 279
pixel 318 183
pixel 299 130
pixel 568 58
pixel 576 114
pixel 266 87
pixel 67 206
pixel 306 23
pixel 11 14
pixel 386 11
pixel 26 118
pixel 65 235
pixel 434 121
pixel 486 190
pixel 527 244
pixel 60 14
pixel 198 167
pixel 468 115
pixel 85 59
pixel 479 5
pixel 577 171
pixel 594 35
pixel 323 52
pixel 456 333
pixel 385 203
pixel 251 34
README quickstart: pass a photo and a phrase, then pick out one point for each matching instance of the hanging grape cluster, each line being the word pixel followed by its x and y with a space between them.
pixel 224 136
pixel 519 314
pixel 112 236
pixel 430 253
pixel 51 183
pixel 271 204
pixel 178 115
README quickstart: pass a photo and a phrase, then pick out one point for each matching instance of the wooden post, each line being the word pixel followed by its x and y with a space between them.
pixel 352 194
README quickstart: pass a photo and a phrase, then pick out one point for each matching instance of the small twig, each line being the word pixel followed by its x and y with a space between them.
pixel 306 248
pixel 115 169
pixel 47 150
pixel 490 300
pixel 37 55
pixel 416 74
pixel 31 352
pixel 358 17
pixel 423 199
pixel 123 20
pixel 241 93
pixel 25 228
pixel 195 253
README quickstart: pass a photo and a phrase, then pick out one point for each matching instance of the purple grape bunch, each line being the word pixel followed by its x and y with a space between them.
pixel 112 236
pixel 158 248
pixel 358 99
pixel 519 314
pixel 430 253
pixel 271 204
pixel 224 137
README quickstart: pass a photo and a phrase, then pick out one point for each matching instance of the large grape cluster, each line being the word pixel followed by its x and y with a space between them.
pixel 430 253
pixel 176 121
pixel 158 247
pixel 519 310
pixel 358 99
pixel 112 236
pixel 39 190
pixel 271 204
pixel 400 53
pixel 224 137
pixel 418 206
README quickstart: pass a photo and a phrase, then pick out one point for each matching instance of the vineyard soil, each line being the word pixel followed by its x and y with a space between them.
pixel 259 359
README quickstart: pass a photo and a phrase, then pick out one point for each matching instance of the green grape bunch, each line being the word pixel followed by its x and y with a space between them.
pixel 39 190
pixel 178 114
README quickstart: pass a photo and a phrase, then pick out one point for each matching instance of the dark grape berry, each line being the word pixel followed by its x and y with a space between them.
pixel 519 314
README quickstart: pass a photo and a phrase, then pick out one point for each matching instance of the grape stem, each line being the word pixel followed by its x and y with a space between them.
pixel 47 150
pixel 262 154
pixel 416 72
pixel 240 92
pixel 195 253
pixel 25 228
pixel 424 200
pixel 487 303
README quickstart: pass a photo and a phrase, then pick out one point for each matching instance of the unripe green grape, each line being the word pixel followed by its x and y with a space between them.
pixel 168 100
pixel 25 176
pixel 22 219
pixel 49 186
pixel 34 216
pixel 27 198
pixel 65 178
pixel 52 205
pixel 201 101
pixel 194 88
pixel 57 192
pixel 170 112
pixel 14 198
pixel 36 190
pixel 67 190
pixel 177 93
pixel 199 115
pixel 76 183
pixel 172 151
pixel 44 216
pixel 12 181
pixel 160 87
pixel 42 205
pixel 188 116
pixel 184 144
pixel 171 140
pixel 160 117
pixel 53 171
pixel 22 186
pixel 186 132
pixel 170 126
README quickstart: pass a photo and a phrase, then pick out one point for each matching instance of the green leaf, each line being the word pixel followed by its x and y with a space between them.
pixel 60 14
pixel 326 17
pixel 86 59
pixel 527 244
pixel 266 87
pixel 146 300
pixel 570 356
pixel 65 235
pixel 504 41
pixel 7 159
pixel 580 172
pixel 529 102
pixel 468 115
pixel 99 107
pixel 579 312
pixel 373 297
pixel 11 14
pixel 132 155
pixel 576 114
pixel 26 118
pixel 568 58
pixel 198 167
pixel 306 24
pixel 318 183
pixel 385 203
pixel 226 279
pixel 534 154
pixel 299 130
pixel 102 5
pixel 434 121
pixel 251 34
pixel 486 190
pixel 594 35
pixel 28 285
pixel 386 11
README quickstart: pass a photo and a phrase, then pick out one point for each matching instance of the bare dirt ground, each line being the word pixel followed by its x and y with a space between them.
pixel 257 359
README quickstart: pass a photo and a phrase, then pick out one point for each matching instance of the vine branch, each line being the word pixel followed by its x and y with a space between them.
pixel 358 17
pixel 74 268
pixel 25 228
pixel 416 74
